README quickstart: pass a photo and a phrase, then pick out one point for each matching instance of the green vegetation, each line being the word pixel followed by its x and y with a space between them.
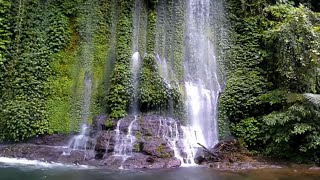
pixel 155 94
pixel 121 91
pixel 271 101
pixel 25 71
pixel 273 78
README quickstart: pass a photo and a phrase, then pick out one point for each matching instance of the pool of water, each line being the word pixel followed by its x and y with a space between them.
pixel 34 171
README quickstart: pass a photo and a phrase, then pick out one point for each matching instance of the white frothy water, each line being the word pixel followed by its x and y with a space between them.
pixel 202 86
pixel 125 143
pixel 35 163
pixel 169 131
pixel 80 141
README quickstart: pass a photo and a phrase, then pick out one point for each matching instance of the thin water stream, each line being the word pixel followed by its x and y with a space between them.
pixel 79 142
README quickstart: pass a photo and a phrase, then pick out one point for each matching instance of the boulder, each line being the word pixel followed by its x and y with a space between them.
pixel 151 147
pixel 32 152
pixel 200 156
pixel 140 161
pixel 157 147
pixel 150 125
pixel 125 123
pixel 173 163
pixel 105 141
pixel 77 157
pixel 99 122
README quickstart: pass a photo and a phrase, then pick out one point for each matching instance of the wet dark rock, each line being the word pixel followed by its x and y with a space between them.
pixel 50 140
pixel 99 123
pixel 76 157
pixel 105 141
pixel 113 162
pixel 199 157
pixel 150 149
pixel 32 152
pixel 150 160
pixel 140 161
pixel 173 163
pixel 149 125
pixel 125 123
pixel 157 147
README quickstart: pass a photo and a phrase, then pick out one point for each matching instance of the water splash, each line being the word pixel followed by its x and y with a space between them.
pixel 202 86
pixel 169 131
pixel 80 141
pixel 125 143
pixel 36 163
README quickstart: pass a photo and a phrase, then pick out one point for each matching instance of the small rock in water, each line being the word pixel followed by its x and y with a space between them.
pixel 199 158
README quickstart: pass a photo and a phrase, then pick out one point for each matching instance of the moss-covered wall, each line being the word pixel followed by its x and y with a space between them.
pixel 47 48
pixel 90 27
pixel 45 52
pixel 120 92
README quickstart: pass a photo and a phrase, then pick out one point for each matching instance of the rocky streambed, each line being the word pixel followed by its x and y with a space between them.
pixel 149 141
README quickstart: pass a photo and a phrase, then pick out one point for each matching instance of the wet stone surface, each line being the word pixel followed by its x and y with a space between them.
pixel 151 148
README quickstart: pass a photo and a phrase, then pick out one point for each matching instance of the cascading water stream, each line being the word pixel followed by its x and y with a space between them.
pixel 165 73
pixel 163 69
pixel 124 143
pixel 80 141
pixel 135 70
pixel 168 130
pixel 202 86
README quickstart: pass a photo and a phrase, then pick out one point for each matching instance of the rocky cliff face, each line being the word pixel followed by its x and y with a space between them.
pixel 151 148
pixel 150 145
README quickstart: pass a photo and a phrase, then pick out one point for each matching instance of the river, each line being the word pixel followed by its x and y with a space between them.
pixel 36 171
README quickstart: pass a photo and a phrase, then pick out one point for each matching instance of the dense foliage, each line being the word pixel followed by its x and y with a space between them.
pixel 48 49
pixel 273 78
pixel 120 92
pixel 26 70
pixel 155 93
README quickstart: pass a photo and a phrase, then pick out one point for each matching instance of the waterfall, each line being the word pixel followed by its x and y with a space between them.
pixel 168 130
pixel 202 86
pixel 135 70
pixel 80 141
pixel 125 143
pixel 135 63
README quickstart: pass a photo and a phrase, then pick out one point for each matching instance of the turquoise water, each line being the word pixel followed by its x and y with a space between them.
pixel 33 172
